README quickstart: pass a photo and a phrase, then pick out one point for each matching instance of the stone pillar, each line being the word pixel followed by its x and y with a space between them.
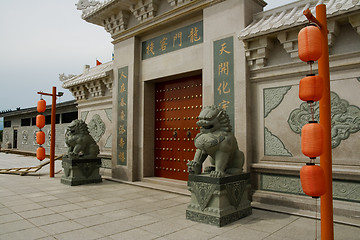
pixel 218 201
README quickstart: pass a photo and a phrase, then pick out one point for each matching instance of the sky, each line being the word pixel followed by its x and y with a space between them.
pixel 41 39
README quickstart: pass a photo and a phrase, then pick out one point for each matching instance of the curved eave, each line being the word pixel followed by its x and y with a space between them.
pixel 95 73
pixel 105 10
pixel 291 15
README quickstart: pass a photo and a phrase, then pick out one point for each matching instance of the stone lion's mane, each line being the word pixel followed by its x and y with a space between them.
pixel 80 127
pixel 222 117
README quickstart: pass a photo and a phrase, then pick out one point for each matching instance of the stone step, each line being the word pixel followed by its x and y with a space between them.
pixel 158 183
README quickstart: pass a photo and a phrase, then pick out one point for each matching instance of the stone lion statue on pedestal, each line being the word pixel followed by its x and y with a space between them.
pixel 217 142
pixel 80 143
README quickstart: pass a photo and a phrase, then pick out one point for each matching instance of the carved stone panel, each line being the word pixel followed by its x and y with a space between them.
pixel 345 118
pixel 96 127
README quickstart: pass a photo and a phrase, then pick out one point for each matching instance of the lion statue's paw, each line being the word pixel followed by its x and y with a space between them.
pixel 209 169
pixel 194 167
pixel 217 174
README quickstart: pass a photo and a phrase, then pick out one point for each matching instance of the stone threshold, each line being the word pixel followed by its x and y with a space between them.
pixel 158 183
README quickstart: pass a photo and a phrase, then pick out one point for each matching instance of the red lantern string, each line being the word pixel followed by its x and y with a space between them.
pixel 310 89
pixel 40 135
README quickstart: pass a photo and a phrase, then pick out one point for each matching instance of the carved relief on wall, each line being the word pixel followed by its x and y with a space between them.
pixel 342 190
pixel 273 97
pixel 34 137
pixel 273 145
pixel 96 127
pixel 345 118
pixel 25 137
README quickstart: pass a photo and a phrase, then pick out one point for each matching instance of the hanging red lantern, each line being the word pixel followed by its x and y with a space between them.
pixel 40 121
pixel 40 153
pixel 311 88
pixel 312 139
pixel 40 137
pixel 312 179
pixel 41 106
pixel 309 43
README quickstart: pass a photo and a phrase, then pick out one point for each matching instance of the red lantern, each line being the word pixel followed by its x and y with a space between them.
pixel 309 44
pixel 312 139
pixel 40 137
pixel 311 88
pixel 41 106
pixel 40 153
pixel 40 121
pixel 312 179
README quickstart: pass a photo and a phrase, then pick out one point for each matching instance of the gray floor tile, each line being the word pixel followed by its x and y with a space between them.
pixel 113 227
pixel 61 227
pixel 15 226
pixel 80 234
pixel 27 234
pixel 163 228
pixel 10 218
pixel 186 234
pixel 48 219
pixel 134 234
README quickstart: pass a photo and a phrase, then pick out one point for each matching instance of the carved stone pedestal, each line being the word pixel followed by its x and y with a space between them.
pixel 218 201
pixel 81 171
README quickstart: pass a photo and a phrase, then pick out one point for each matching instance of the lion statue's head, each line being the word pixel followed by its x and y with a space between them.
pixel 213 118
pixel 77 127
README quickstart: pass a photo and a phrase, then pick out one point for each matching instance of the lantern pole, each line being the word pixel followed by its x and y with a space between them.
pixel 326 200
pixel 53 122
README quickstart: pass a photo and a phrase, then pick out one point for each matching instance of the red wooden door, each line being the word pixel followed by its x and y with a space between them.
pixel 178 104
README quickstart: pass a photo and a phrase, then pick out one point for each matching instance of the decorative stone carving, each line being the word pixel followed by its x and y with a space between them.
pixel 219 195
pixel 334 29
pixel 345 118
pixel 108 143
pixel 96 88
pixel 217 141
pixel 25 137
pixel 84 115
pixel 342 190
pixel 218 201
pixel 274 146
pixel 277 183
pixel 81 164
pixel 63 77
pixel 289 41
pixel 144 9
pixel 108 113
pixel 48 142
pixel 34 137
pixel 257 51
pixel 80 144
pixel 203 192
pixel 117 22
pixel 80 92
pixel 355 22
pixel 177 3
pixel 108 83
pixel 96 127
pixel 273 98
pixel 86 5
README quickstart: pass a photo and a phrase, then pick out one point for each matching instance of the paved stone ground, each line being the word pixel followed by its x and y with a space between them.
pixel 39 207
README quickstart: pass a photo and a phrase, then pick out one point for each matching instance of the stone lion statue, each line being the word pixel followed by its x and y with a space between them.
pixel 79 141
pixel 216 141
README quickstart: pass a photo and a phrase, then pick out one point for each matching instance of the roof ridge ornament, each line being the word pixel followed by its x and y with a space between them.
pixel 86 5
